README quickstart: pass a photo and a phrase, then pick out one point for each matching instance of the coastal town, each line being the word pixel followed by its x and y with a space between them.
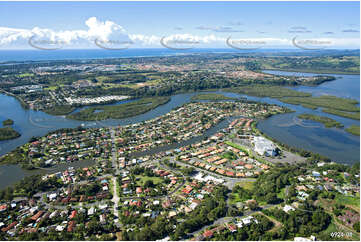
pixel 180 121
pixel 140 187
pixel 60 88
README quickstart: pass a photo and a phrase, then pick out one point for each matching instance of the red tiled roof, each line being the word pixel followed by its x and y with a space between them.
pixel 208 233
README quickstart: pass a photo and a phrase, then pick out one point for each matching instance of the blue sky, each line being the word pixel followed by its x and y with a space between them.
pixel 207 24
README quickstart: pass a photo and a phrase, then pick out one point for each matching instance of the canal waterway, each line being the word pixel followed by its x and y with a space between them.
pixel 334 143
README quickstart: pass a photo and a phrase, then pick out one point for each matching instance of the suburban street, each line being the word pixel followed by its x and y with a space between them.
pixel 115 164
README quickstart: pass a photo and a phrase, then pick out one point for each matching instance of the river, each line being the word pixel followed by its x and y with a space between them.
pixel 334 143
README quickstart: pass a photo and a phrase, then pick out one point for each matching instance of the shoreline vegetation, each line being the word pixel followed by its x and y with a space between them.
pixel 338 106
pixel 271 91
pixel 22 102
pixel 212 97
pixel 7 133
pixel 120 111
pixel 343 107
pixel 8 122
pixel 60 110
pixel 328 122
pixel 354 129
pixel 350 115
pixel 347 64
pixel 316 71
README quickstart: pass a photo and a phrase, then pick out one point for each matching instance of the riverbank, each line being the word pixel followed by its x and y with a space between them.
pixel 211 97
pixel 271 91
pixel 316 71
pixel 22 102
pixel 60 110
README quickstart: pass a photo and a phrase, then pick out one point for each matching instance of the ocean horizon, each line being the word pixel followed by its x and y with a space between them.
pixel 25 55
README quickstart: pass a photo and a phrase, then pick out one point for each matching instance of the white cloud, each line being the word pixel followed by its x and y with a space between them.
pixel 108 30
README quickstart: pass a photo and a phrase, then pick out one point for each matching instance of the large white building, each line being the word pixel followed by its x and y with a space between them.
pixel 264 146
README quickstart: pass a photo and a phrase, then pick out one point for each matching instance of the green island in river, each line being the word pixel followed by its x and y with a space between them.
pixel 8 122
pixel 268 91
pixel 120 111
pixel 334 105
pixel 354 129
pixel 328 122
pixel 8 133
pixel 212 97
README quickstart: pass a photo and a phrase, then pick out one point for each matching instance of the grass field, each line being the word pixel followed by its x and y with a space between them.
pixel 26 75
pixel 342 199
pixel 246 184
pixel 156 180
pixel 248 152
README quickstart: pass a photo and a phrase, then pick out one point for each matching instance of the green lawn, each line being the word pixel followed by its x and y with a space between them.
pixel 235 199
pixel 156 180
pixel 247 151
pixel 246 184
pixel 237 146
pixel 342 199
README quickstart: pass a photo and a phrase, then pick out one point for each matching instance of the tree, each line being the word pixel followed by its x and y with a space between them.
pixel 271 198
pixel 356 226
pixel 253 205
pixel 148 183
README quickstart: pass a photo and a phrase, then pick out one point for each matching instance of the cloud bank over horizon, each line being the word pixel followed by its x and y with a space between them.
pixel 112 34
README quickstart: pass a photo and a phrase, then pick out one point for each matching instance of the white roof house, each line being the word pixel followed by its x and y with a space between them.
pixel 52 196
pixel 103 206
pixel 91 211
pixel 264 146
pixel 60 228
pixel 288 208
